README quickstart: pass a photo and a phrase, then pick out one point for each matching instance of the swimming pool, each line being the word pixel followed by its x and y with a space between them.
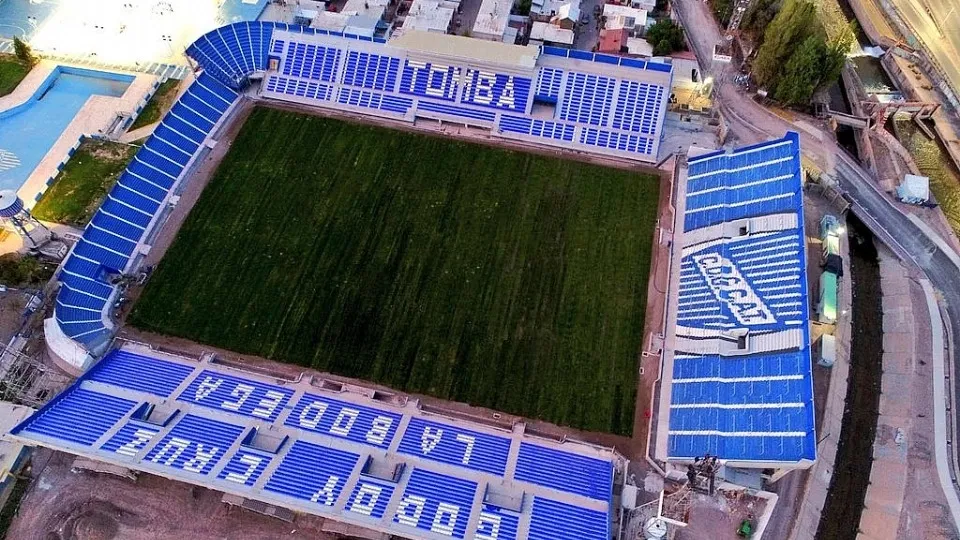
pixel 28 131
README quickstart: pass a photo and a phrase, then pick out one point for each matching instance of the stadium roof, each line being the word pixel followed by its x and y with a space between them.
pixel 354 455
pixel 741 385
pixel 468 48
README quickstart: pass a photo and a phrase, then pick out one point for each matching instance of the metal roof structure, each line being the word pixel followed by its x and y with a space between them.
pixel 741 385
pixel 327 449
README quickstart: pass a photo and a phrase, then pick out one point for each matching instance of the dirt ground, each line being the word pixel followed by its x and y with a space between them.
pixel 717 518
pixel 12 304
pixel 62 505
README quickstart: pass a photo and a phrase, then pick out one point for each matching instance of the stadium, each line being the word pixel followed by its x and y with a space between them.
pixel 735 381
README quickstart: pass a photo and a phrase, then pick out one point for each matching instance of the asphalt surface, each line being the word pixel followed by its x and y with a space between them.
pixel 936 24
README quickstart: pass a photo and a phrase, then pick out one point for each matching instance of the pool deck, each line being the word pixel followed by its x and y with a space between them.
pixel 96 115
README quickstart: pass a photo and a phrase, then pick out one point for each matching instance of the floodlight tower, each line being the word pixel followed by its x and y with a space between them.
pixel 14 216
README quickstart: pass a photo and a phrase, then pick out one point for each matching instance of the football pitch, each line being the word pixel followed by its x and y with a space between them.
pixel 498 278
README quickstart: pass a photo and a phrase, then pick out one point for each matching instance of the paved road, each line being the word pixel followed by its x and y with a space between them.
pixel 936 24
pixel 750 122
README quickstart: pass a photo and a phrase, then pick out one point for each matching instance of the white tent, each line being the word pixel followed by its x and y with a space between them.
pixel 914 189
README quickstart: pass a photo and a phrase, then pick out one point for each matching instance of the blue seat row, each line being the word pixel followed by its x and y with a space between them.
pixel 237 395
pixel 195 444
pixel 536 127
pixel 638 107
pixel 232 52
pixel 426 79
pixel 370 498
pixel 245 466
pixel 454 111
pixel 497 523
pixel 755 447
pixel 586 98
pixel 557 469
pixel 110 240
pixel 624 142
pixel 548 84
pixel 300 88
pixel 140 372
pixel 551 520
pixel 344 420
pixel 437 503
pixel 311 62
pixel 375 100
pixel 98 411
pixel 313 473
pixel 371 71
pixel 496 90
pixel 454 445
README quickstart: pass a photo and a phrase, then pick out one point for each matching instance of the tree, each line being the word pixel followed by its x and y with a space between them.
pixel 23 52
pixel 801 74
pixel 758 16
pixel 834 56
pixel 793 24
pixel 722 10
pixel 666 37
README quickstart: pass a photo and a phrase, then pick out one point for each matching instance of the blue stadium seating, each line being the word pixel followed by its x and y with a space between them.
pixel 111 237
pixel 587 98
pixel 454 111
pixel 454 445
pixel 375 100
pixel 538 128
pixel 565 471
pixel 308 457
pixel 131 439
pixel 548 84
pixel 437 503
pixel 195 444
pixel 371 71
pixel 431 80
pixel 139 372
pixel 746 183
pixel 245 467
pixel 495 523
pixel 638 107
pixel 551 520
pixel 370 498
pixel 99 411
pixel 313 473
pixel 756 405
pixel 364 425
pixel 624 142
pixel 495 90
pixel 237 395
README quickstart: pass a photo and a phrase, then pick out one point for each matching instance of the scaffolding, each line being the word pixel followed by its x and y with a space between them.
pixel 26 380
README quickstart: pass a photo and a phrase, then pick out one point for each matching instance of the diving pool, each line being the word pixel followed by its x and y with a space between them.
pixel 28 131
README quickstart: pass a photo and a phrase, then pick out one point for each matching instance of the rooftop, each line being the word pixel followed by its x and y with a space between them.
pixel 741 386
pixel 468 48
pixel 551 33
pixel 492 18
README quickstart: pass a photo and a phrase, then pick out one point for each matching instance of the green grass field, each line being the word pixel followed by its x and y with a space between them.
pixel 84 182
pixel 12 71
pixel 158 104
pixel 498 278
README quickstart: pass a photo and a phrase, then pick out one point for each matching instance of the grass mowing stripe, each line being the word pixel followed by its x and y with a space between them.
pixel 503 279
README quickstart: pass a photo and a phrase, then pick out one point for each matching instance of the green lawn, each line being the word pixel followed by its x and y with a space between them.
pixel 84 182
pixel 158 104
pixel 12 71
pixel 498 278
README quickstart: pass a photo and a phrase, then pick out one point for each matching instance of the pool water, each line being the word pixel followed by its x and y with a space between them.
pixel 29 131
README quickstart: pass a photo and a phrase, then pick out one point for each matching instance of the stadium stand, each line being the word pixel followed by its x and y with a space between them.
pixel 110 241
pixel 604 104
pixel 741 386
pixel 601 103
pixel 385 466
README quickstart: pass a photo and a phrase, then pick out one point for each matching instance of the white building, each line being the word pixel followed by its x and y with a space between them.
pixel 545 8
pixel 369 8
pixel 492 20
pixel 330 21
pixel 619 16
pixel 542 33
pixel 428 16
